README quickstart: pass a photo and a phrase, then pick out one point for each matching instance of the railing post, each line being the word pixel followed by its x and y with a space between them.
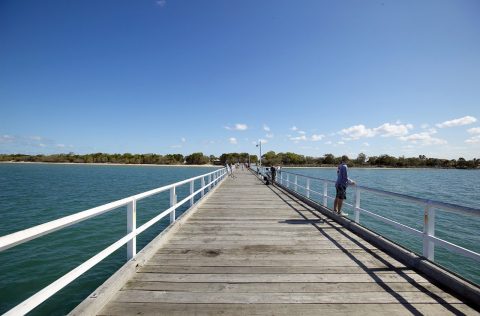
pixel 295 187
pixel 357 205
pixel 203 186
pixel 308 188
pixel 428 230
pixel 173 201
pixel 192 189
pixel 325 193
pixel 288 181
pixel 209 182
pixel 281 178
pixel 132 227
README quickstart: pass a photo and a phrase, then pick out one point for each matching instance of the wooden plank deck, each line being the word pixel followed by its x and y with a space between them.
pixel 251 249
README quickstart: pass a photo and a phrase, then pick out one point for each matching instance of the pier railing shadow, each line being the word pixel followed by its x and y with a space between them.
pixel 369 271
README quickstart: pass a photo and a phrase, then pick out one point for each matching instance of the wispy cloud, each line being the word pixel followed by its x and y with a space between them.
pixel 385 130
pixel 473 139
pixel 237 127
pixel 183 139
pixel 301 132
pixel 457 122
pixel 266 128
pixel 293 128
pixel 161 3
pixel 299 138
pixel 423 138
pixel 366 144
pixel 232 140
pixel 176 146
pixel 269 135
pixel 328 142
pixel 317 137
pixel 474 130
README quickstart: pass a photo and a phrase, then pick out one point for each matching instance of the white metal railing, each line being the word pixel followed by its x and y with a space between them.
pixel 14 239
pixel 290 181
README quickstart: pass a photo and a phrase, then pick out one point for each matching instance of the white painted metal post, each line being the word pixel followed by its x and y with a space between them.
pixel 203 186
pixel 173 201
pixel 192 186
pixel 308 188
pixel 209 182
pixel 295 181
pixel 428 230
pixel 281 178
pixel 325 193
pixel 357 205
pixel 131 227
pixel 288 180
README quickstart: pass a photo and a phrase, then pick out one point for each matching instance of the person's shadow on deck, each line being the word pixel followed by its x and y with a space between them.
pixel 369 271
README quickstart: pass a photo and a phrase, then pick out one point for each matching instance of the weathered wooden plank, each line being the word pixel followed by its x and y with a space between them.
pixel 281 277
pixel 258 287
pixel 380 297
pixel 147 309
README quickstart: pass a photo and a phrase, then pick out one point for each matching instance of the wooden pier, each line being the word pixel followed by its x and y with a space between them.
pixel 252 249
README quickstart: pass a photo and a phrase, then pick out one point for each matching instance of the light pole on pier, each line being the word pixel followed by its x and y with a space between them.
pixel 260 145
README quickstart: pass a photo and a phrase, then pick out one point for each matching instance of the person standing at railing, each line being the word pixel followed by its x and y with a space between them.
pixel 341 185
pixel 273 171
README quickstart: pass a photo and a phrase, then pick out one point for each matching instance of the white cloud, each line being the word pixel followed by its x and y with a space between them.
pixel 474 130
pixel 301 132
pixel 356 132
pixel 457 122
pixel 424 125
pixel 341 143
pixel 183 139
pixel 266 128
pixel 366 144
pixel 388 130
pixel 60 146
pixel 161 3
pixel 473 139
pixel 263 141
pixel 294 128
pixel 6 139
pixel 298 138
pixel 317 137
pixel 269 135
pixel 232 140
pixel 237 127
pixel 328 142
pixel 423 138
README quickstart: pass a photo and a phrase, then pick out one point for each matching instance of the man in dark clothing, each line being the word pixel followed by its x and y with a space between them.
pixel 341 185
pixel 273 171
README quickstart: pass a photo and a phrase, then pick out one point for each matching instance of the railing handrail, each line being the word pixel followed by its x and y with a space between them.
pixel 14 239
pixel 454 208
pixel 25 235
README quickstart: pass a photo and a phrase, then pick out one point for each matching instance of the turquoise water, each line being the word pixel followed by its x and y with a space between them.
pixel 461 187
pixel 32 194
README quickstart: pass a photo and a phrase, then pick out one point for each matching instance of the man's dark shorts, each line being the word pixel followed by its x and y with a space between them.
pixel 341 191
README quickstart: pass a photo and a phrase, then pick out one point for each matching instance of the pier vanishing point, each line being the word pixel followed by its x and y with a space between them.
pixel 247 248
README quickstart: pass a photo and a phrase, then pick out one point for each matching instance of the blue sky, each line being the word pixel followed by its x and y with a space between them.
pixel 313 77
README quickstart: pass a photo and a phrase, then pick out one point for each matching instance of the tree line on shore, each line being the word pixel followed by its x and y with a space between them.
pixel 268 159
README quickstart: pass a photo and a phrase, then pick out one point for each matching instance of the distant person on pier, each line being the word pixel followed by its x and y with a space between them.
pixel 273 171
pixel 341 186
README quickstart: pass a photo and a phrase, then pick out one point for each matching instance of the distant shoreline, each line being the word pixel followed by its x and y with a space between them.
pixel 104 164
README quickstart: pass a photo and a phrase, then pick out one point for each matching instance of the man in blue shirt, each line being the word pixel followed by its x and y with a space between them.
pixel 341 186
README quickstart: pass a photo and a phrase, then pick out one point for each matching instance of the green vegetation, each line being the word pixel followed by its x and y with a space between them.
pixel 269 158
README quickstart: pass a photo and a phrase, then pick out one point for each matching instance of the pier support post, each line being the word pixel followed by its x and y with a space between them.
pixel 325 194
pixel 173 201
pixel 132 227
pixel 357 205
pixel 428 230
pixel 192 186
pixel 308 188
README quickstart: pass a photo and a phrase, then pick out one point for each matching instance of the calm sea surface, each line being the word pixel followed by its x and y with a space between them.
pixel 31 194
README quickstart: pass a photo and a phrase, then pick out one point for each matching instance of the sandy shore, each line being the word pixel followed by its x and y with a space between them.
pixel 104 164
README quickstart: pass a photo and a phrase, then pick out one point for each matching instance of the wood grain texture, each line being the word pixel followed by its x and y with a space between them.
pixel 251 249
